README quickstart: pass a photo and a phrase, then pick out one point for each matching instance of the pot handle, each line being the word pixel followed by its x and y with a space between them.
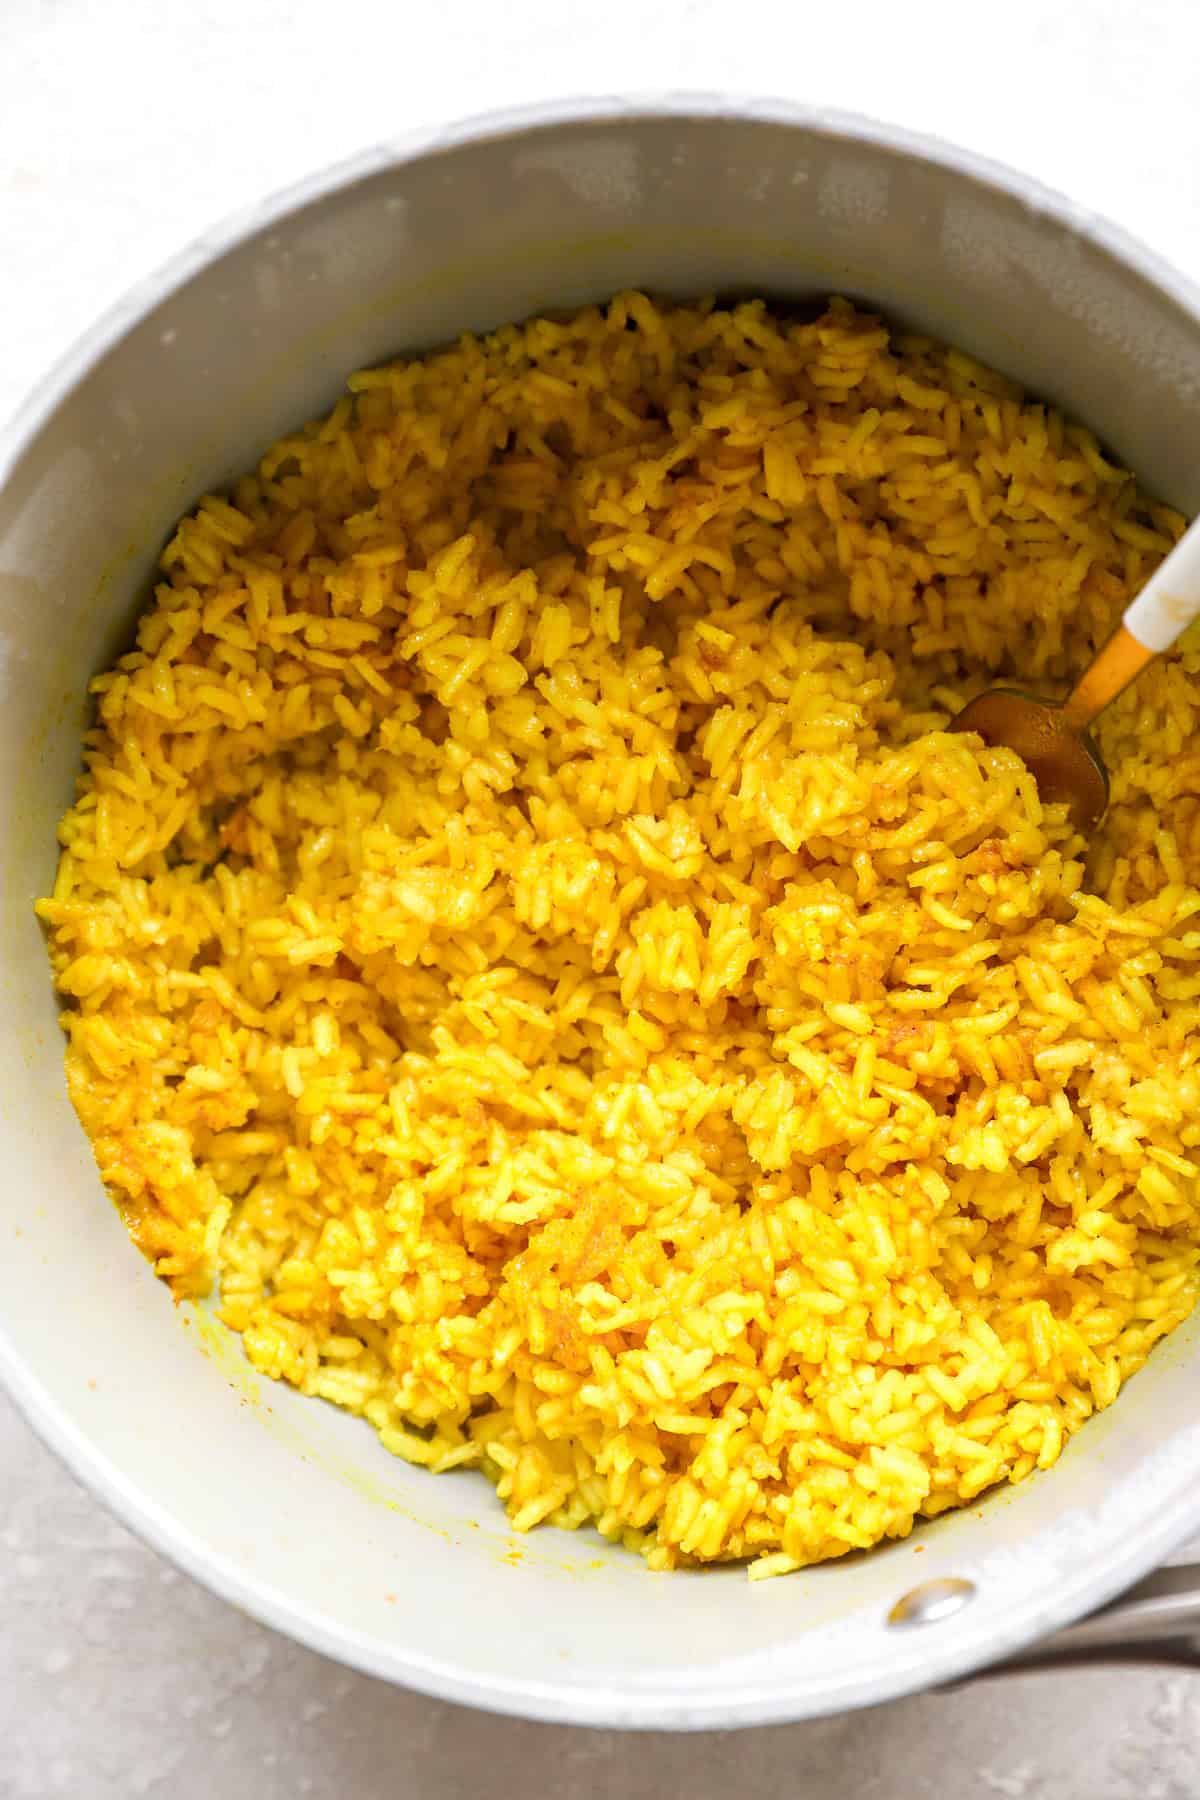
pixel 1157 1621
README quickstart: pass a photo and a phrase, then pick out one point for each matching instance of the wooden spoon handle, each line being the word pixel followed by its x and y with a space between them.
pixel 1163 610
pixel 1121 659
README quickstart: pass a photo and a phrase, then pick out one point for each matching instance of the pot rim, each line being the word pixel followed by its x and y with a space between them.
pixel 914 1662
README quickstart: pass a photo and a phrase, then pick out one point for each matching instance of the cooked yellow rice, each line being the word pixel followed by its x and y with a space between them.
pixel 530 940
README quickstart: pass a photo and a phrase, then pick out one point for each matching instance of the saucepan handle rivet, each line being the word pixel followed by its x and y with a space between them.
pixel 932 1601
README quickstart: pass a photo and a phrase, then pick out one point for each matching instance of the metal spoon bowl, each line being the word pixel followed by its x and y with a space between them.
pixel 1052 739
pixel 1063 760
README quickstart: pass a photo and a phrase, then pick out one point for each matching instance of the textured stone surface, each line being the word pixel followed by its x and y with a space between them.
pixel 126 128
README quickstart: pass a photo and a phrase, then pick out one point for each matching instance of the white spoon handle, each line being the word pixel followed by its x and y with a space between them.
pixel 1165 607
pixel 1170 599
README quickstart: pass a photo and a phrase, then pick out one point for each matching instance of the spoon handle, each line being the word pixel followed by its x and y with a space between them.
pixel 1163 610
pixel 1170 599
pixel 1107 675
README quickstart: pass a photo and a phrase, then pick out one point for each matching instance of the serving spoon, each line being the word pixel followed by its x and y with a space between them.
pixel 1052 737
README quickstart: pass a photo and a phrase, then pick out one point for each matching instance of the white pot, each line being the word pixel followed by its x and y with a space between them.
pixel 284 1506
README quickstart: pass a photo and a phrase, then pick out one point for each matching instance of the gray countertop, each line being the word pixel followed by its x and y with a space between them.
pixel 124 129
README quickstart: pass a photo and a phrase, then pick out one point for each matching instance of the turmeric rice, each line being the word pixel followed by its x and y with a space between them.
pixel 534 951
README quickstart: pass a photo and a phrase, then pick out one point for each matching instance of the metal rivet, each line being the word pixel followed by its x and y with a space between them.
pixel 932 1601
